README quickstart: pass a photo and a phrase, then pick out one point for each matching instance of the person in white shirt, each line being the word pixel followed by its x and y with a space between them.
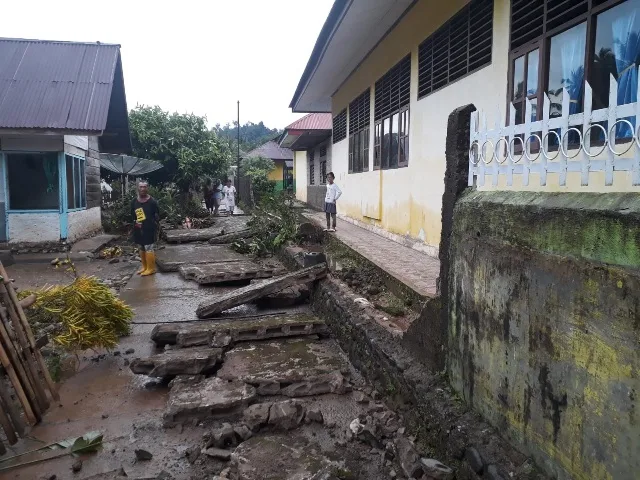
pixel 332 195
pixel 229 193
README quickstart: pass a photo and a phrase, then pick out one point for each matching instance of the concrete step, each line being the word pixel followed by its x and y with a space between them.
pixel 188 361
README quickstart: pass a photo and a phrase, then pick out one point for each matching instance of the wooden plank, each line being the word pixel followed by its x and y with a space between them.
pixel 253 292
pixel 12 438
pixel 19 379
pixel 216 273
pixel 9 406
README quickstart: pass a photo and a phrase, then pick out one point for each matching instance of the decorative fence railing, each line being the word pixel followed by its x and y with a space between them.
pixel 604 140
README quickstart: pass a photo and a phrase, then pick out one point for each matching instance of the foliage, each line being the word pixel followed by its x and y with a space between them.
pixel 258 169
pixel 86 314
pixel 251 135
pixel 273 225
pixel 174 207
pixel 182 143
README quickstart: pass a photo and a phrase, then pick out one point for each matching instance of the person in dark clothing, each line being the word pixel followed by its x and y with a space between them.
pixel 208 195
pixel 146 215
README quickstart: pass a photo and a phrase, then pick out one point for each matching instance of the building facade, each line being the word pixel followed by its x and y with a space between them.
pixel 391 74
pixel 282 173
pixel 61 103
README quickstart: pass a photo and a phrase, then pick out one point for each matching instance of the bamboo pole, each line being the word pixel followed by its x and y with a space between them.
pixel 23 350
pixel 27 328
pixel 17 374
pixel 12 411
pixel 7 427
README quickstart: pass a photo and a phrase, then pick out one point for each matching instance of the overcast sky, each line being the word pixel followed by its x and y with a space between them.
pixel 188 55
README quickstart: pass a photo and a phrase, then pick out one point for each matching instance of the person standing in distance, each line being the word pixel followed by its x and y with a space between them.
pixel 229 192
pixel 146 215
pixel 330 199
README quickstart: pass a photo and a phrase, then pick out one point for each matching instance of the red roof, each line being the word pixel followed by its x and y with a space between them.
pixel 312 121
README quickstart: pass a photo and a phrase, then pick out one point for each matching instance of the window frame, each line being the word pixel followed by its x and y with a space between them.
pixel 12 209
pixel 543 42
pixel 323 165
pixel 359 133
pixel 312 166
pixel 81 162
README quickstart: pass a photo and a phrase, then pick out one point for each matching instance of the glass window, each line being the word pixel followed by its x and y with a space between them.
pixel 533 59
pixel 386 142
pixel 518 79
pixel 33 181
pixel 365 150
pixel 377 139
pixel 393 156
pixel 75 182
pixel 566 68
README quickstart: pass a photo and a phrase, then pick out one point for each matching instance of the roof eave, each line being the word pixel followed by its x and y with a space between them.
pixel 337 13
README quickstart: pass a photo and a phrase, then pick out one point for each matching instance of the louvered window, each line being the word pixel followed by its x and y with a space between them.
pixel 558 44
pixel 359 127
pixel 391 132
pixel 312 167
pixel 461 46
pixel 340 126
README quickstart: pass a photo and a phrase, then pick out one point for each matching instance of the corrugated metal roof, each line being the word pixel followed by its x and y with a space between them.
pixel 271 150
pixel 60 85
pixel 313 121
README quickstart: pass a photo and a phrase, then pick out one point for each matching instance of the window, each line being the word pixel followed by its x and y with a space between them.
pixel 33 181
pixel 76 184
pixel 557 45
pixel 312 167
pixel 359 127
pixel 340 126
pixel 461 46
pixel 323 164
pixel 392 117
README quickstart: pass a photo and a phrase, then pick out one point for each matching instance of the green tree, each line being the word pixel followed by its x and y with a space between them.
pixel 251 134
pixel 185 146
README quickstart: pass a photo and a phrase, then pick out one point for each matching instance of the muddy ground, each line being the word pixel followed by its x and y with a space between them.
pixel 347 433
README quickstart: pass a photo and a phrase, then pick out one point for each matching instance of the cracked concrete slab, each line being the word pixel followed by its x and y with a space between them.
pixel 171 258
pixel 213 333
pixel 209 398
pixel 222 226
pixel 293 367
pixel 213 273
pixel 189 361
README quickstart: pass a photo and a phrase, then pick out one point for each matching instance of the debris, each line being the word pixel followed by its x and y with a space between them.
pixel 129 351
pixel 77 466
pixel 436 470
pixel 474 459
pixel 257 415
pixel 318 385
pixel 224 437
pixel 259 290
pixel 359 397
pixel 408 458
pixel 218 454
pixel 243 432
pixel 286 415
pixel 230 237
pixel 174 256
pixel 289 297
pixel 143 455
pixel 122 473
pixel 192 454
pixel 191 361
pixel 314 415
pixel 214 273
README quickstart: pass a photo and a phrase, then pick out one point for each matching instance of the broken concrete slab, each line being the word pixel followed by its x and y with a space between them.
pixel 210 398
pixel 191 361
pixel 93 244
pixel 214 273
pixel 171 258
pixel 222 226
pixel 238 330
pixel 286 415
pixel 259 290
pixel 256 415
pixel 301 366
pixel 230 237
pixel 278 456
pixel 289 297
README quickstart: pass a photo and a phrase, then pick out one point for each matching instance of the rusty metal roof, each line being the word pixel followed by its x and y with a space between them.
pixel 64 86
pixel 271 150
pixel 312 121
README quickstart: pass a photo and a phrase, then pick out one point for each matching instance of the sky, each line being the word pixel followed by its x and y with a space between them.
pixel 191 56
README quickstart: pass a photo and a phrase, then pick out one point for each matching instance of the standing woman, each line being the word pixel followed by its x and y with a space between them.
pixel 208 195
pixel 217 197
pixel 146 215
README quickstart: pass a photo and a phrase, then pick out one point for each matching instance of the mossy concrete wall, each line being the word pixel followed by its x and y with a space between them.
pixel 544 325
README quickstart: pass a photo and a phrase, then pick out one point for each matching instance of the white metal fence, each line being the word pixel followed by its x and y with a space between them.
pixel 506 151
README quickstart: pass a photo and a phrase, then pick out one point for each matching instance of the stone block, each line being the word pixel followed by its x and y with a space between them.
pixel 191 361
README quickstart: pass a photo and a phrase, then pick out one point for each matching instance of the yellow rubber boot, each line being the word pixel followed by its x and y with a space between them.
pixel 143 259
pixel 151 264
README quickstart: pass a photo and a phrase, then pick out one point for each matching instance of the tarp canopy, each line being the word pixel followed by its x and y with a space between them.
pixel 126 165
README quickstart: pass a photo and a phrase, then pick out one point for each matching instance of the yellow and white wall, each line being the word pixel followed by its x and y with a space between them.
pixel 301 174
pixel 405 203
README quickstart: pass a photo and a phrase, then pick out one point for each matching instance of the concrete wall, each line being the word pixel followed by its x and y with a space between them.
pixel 277 174
pixel 83 223
pixel 34 227
pixel 300 174
pixel 407 201
pixel 544 309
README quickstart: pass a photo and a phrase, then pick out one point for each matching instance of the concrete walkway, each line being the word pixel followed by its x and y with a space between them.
pixel 415 269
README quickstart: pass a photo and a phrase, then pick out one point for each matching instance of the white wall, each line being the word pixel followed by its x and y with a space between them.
pixel 301 172
pixel 34 227
pixel 83 223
